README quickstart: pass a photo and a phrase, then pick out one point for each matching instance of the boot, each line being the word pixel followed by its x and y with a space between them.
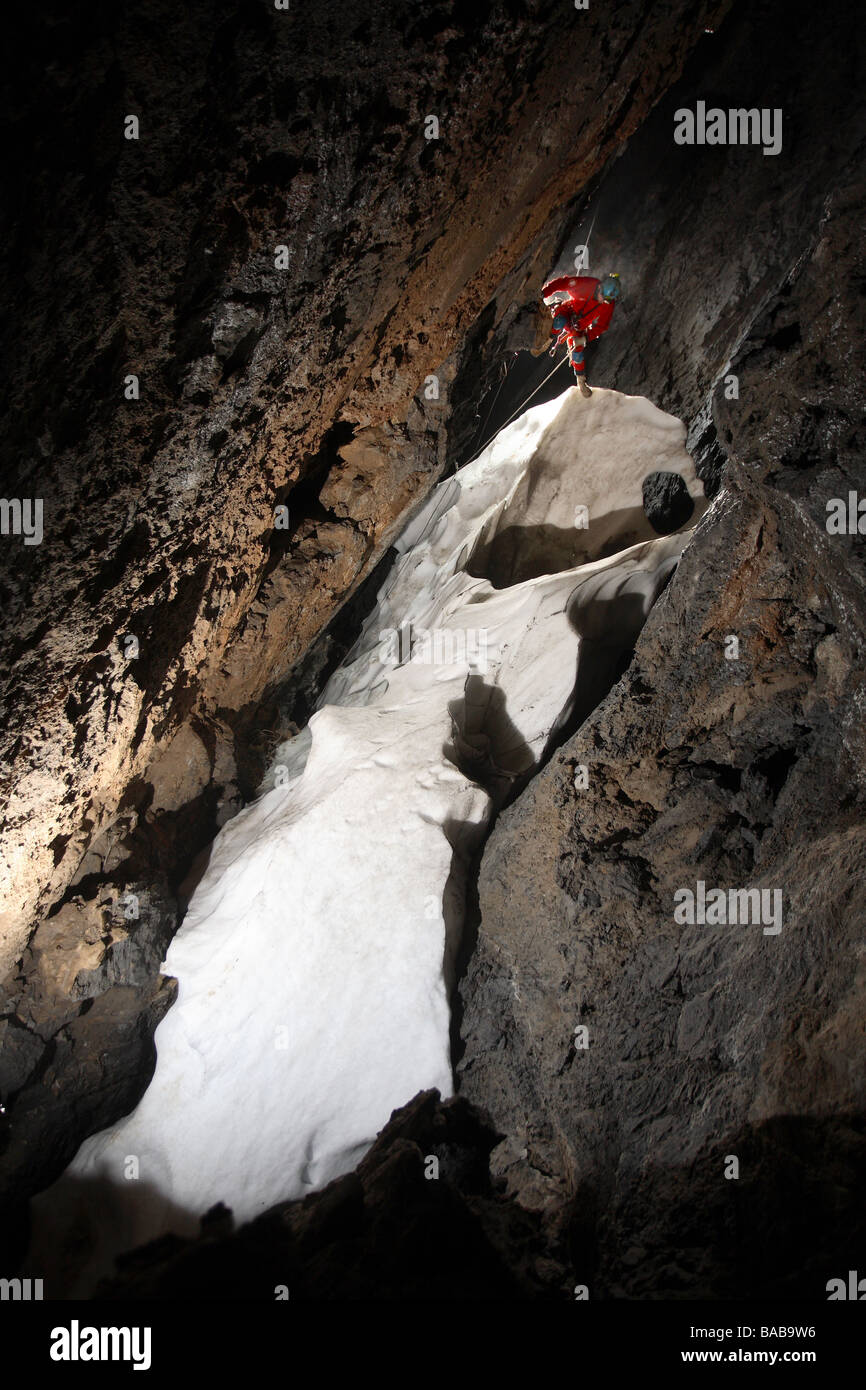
pixel 584 386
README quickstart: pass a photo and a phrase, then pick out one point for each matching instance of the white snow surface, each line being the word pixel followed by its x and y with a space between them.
pixel 315 959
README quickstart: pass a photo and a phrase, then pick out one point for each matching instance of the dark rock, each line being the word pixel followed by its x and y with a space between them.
pixel 706 1042
pixel 76 1035
pixel 258 387
pixel 742 314
pixel 385 1231
pixel 666 502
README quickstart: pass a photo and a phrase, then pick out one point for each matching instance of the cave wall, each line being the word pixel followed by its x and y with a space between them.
pixel 703 238
pixel 709 1042
pixel 259 386
pixel 306 387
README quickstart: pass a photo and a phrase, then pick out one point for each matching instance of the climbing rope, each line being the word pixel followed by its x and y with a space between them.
pixel 508 365
pixel 502 377
pixel 519 409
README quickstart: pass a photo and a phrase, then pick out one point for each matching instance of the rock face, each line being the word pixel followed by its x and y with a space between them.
pixel 264 377
pixel 630 1057
pixel 666 502
pixel 742 315
pixel 280 261
pixel 418 1219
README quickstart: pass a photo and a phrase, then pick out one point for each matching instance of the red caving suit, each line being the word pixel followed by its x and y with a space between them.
pixel 580 315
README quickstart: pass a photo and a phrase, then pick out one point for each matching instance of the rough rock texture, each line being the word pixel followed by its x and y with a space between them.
pixel 704 237
pixel 76 1029
pixel 258 386
pixel 705 1042
pixel 390 1226
pixel 666 502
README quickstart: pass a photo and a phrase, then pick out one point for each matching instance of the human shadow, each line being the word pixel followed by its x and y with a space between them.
pixel 485 744
pixel 608 618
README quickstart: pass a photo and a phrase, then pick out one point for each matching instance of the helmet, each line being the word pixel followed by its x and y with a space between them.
pixel 609 288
